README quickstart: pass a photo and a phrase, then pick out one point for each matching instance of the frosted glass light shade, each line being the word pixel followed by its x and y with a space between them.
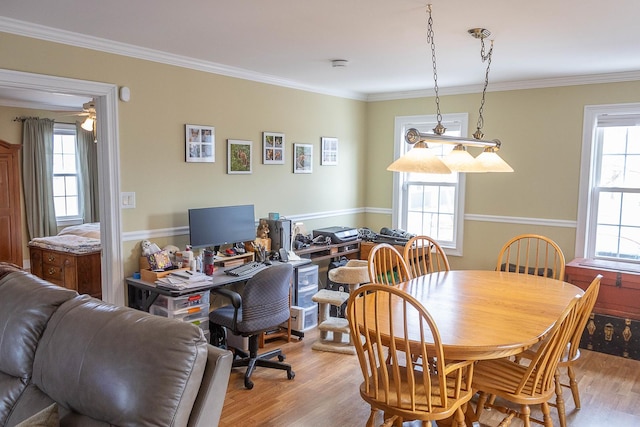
pixel 459 160
pixel 490 161
pixel 87 124
pixel 419 160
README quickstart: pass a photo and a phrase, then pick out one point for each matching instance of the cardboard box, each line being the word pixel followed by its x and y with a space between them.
pixel 151 276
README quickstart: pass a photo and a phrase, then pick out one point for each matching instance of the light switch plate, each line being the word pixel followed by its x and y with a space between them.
pixel 128 200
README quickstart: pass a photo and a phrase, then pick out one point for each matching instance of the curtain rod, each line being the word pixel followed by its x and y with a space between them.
pixel 23 118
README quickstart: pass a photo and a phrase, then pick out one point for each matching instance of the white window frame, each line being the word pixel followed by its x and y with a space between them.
pixel 399 209
pixel 588 196
pixel 63 221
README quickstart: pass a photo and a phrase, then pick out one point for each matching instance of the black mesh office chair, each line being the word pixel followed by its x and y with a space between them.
pixel 263 305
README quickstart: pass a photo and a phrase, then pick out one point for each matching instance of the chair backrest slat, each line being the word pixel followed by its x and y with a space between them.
pixel 532 254
pixel 386 265
pixel 424 255
pixel 540 374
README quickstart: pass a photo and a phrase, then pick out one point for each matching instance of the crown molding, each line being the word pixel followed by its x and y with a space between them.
pixel 41 32
pixel 626 76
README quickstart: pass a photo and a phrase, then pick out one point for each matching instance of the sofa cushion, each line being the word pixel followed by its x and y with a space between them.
pixel 119 365
pixel 26 305
pixel 48 417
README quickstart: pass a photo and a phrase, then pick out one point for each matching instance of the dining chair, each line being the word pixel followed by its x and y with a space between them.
pixel 532 254
pixel 424 255
pixel 402 390
pixel 525 385
pixel 572 351
pixel 386 265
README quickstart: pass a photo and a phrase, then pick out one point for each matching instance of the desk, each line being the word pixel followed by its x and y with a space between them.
pixel 142 294
pixel 488 314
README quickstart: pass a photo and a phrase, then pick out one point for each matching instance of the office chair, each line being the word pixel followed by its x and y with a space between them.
pixel 263 305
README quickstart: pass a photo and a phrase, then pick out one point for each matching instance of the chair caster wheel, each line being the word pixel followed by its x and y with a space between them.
pixel 281 357
pixel 248 384
pixel 291 375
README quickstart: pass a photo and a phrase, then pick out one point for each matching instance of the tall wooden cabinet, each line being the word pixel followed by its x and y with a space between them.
pixel 10 219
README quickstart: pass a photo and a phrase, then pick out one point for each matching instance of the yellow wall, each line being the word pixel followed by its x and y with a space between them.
pixel 541 132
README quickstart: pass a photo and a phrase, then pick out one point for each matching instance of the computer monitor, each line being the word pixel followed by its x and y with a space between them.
pixel 215 226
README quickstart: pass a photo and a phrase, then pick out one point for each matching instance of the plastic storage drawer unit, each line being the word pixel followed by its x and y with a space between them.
pixel 303 319
pixel 184 301
pixel 305 296
pixel 188 314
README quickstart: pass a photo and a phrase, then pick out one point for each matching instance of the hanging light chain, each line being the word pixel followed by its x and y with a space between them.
pixel 485 58
pixel 439 129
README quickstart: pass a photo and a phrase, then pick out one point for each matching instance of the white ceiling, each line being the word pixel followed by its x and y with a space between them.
pixel 292 42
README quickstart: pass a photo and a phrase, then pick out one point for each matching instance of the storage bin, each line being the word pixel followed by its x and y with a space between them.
pixel 202 323
pixel 303 319
pixel 183 301
pixel 305 296
pixel 307 276
pixel 188 314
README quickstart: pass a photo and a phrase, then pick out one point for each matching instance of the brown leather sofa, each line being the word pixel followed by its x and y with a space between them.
pixel 100 364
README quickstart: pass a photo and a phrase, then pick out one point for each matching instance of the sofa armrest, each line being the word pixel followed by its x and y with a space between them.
pixel 213 389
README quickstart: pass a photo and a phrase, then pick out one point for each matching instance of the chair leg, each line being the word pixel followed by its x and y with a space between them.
pixel 560 400
pixel 372 418
pixel 573 384
pixel 482 398
pixel 525 414
pixel 547 415
pixel 459 418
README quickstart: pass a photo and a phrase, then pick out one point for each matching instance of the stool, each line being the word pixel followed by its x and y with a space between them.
pixel 336 325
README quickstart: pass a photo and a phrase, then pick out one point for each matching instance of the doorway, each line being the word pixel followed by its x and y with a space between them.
pixel 106 96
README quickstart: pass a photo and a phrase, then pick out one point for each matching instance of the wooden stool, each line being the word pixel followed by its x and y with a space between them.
pixel 336 325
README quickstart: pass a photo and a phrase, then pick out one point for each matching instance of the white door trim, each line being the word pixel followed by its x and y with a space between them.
pixel 106 96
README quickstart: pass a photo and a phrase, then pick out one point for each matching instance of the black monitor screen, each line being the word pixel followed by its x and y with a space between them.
pixel 209 227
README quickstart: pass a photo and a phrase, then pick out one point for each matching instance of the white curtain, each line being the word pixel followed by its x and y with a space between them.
pixel 37 172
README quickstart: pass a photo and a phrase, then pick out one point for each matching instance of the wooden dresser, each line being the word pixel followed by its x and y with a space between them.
pixel 80 272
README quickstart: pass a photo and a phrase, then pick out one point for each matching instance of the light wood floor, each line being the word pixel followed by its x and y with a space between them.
pixel 324 392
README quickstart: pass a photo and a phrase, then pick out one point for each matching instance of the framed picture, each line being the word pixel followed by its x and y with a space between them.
pixel 302 158
pixel 329 153
pixel 238 156
pixel 200 144
pixel 272 148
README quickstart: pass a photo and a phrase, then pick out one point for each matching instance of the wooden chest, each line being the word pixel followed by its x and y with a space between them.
pixel 80 272
pixel 619 289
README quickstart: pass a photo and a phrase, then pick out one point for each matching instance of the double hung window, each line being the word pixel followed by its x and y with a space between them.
pixel 66 198
pixel 609 209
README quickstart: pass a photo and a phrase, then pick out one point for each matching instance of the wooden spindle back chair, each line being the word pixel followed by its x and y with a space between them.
pixel 380 318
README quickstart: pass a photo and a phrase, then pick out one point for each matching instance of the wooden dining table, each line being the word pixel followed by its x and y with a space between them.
pixel 485 314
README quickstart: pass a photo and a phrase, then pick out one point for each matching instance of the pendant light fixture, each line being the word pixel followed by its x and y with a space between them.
pixel 458 160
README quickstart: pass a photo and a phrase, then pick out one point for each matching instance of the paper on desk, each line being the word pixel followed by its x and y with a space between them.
pixel 175 282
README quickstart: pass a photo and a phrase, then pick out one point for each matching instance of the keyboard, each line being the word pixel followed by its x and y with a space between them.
pixel 251 267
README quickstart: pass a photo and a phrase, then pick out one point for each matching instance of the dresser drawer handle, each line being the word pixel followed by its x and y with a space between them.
pixel 51 258
pixel 52 271
pixel 619 280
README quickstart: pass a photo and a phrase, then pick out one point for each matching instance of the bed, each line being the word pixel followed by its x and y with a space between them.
pixel 70 259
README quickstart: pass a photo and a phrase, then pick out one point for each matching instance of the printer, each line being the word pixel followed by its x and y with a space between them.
pixel 337 234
